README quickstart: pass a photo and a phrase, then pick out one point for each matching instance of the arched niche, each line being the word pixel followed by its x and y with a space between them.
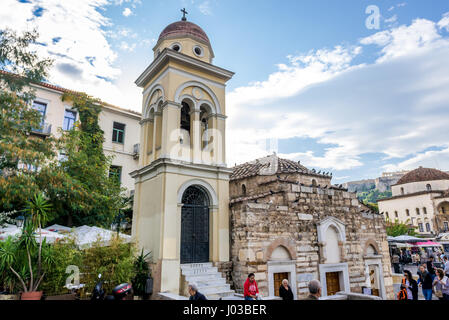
pixel 179 91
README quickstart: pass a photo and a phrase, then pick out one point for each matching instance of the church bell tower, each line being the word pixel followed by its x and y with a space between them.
pixel 181 195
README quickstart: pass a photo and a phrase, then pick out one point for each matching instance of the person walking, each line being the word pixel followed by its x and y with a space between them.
pixel 314 290
pixel 441 285
pixel 285 292
pixel 194 293
pixel 250 289
pixel 425 282
pixel 431 267
pixel 410 285
pixel 446 265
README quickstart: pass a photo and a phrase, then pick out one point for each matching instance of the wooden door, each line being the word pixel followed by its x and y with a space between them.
pixel 278 277
pixel 332 283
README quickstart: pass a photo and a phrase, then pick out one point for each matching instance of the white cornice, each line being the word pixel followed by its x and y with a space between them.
pixel 167 53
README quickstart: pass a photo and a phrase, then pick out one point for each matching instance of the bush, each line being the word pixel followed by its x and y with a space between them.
pixel 115 263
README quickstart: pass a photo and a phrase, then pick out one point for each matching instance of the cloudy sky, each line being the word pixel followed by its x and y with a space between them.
pixel 313 81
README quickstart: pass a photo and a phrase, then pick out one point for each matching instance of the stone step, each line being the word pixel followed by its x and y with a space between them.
pixel 218 295
pixel 199 271
pixel 203 277
pixel 209 282
pixel 196 265
pixel 214 289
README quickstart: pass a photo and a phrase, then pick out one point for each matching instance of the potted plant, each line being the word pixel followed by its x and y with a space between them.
pixel 24 256
pixel 142 282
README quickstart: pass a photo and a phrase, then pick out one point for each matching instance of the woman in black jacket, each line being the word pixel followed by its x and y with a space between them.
pixel 285 292
pixel 412 284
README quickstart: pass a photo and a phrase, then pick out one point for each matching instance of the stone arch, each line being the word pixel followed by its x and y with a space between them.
pixel 373 244
pixel 155 106
pixel 187 84
pixel 286 243
pixel 203 185
pixel 328 222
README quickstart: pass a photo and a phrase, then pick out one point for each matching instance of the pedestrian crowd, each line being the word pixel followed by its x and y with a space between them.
pixel 431 280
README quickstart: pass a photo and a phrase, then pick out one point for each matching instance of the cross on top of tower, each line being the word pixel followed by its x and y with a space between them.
pixel 184 12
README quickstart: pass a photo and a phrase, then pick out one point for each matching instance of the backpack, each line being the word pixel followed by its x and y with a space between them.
pixel 402 294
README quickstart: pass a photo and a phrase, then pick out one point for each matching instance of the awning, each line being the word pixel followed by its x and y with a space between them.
pixel 427 244
pixel 401 245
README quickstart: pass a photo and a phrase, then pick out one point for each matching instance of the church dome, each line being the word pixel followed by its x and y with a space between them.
pixel 183 28
pixel 423 174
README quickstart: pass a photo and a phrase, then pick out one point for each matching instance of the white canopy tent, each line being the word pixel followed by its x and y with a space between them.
pixel 84 236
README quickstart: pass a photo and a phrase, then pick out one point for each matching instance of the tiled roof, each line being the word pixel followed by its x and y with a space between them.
pixel 423 174
pixel 262 166
pixel 64 90
pixel 181 28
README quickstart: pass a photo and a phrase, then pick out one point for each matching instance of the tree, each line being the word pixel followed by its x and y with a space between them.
pixel 24 257
pixel 397 228
pixel 21 153
pixel 80 187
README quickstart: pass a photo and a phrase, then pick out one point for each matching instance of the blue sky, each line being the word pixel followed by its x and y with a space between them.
pixel 309 74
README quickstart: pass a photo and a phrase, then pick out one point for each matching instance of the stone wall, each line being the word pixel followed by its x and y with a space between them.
pixel 280 211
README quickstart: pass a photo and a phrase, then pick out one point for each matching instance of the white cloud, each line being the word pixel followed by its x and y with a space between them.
pixel 127 12
pixel 205 8
pixel 126 47
pixel 430 159
pixel 444 23
pixel 396 106
pixel 76 37
pixel 392 19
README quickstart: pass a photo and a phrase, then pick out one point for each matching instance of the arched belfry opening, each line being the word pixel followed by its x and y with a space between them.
pixel 185 117
pixel 195 226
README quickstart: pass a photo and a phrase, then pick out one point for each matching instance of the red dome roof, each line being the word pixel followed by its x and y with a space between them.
pixel 182 28
pixel 423 174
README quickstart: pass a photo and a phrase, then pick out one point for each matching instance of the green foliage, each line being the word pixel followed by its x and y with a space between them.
pixel 142 271
pixel 115 263
pixel 397 228
pixel 63 253
pixel 79 187
pixel 371 196
pixel 18 148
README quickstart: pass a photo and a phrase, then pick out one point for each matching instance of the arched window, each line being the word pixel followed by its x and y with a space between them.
pixel 417 211
pixel 429 187
pixel 388 216
pixel 205 113
pixel 313 183
pixel 407 212
pixel 396 214
pixel 243 189
pixel 332 247
pixel 280 254
pixel 185 116
pixel 428 227
pixel 402 191
pixel 424 210
pixel 371 251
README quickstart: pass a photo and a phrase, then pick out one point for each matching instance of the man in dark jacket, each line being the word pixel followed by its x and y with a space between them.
pixel 194 294
pixel 431 267
pixel 314 290
pixel 425 281
pixel 285 292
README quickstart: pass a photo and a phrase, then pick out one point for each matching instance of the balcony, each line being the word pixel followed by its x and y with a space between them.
pixel 43 130
pixel 136 150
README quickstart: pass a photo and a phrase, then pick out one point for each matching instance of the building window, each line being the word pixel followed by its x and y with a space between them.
pixel 42 108
pixel 428 227
pixel 429 187
pixel 396 214
pixel 421 227
pixel 185 117
pixel 417 211
pixel 115 172
pixel 69 119
pixel 446 226
pixel 118 132
pixel 62 157
pixel 407 212
pixel 424 210
pixel 243 189
pixel 388 216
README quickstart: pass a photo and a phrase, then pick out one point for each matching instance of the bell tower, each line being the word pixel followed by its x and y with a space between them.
pixel 181 195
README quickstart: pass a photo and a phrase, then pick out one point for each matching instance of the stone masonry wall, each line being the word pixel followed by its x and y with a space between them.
pixel 281 211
